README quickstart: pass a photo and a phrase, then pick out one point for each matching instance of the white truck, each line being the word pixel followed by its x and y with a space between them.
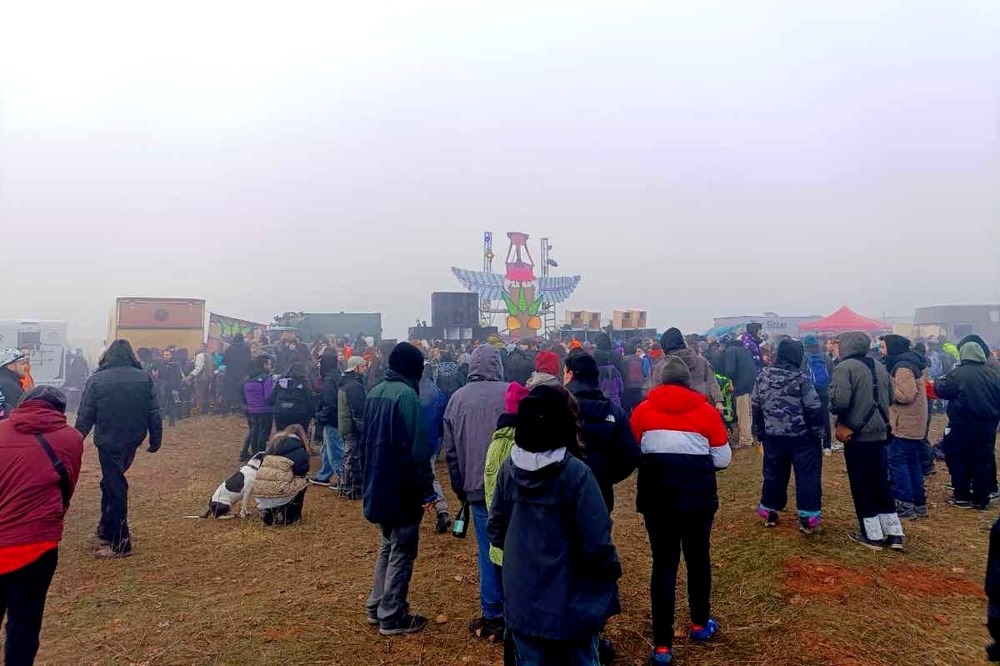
pixel 45 341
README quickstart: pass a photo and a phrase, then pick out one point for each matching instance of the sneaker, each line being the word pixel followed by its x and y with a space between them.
pixel 981 507
pixel 408 624
pixel 810 526
pixel 322 484
pixel 919 512
pixel 372 620
pixel 960 504
pixel 770 517
pixel 865 541
pixel 895 543
pixel 443 523
pixel 905 511
pixel 703 634
pixel 837 446
pixel 605 652
pixel 827 452
pixel 994 497
pixel 491 629
pixel 109 553
pixel 661 656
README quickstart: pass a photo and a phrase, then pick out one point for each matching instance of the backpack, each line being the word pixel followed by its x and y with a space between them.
pixel 611 383
pixel 448 379
pixel 291 396
pixel 634 375
pixel 818 372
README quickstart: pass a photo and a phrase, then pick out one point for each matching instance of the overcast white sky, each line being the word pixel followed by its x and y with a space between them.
pixel 692 159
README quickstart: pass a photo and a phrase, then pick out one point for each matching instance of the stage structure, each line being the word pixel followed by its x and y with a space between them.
pixel 525 303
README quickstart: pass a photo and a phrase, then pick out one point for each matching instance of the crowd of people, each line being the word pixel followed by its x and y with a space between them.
pixel 535 437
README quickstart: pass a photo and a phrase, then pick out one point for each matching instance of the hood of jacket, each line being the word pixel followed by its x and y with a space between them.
pixel 790 355
pixel 535 471
pixel 393 376
pixel 971 352
pixel 119 355
pixel 854 344
pixel 978 340
pixel 37 416
pixel 909 358
pixel 675 399
pixel 485 365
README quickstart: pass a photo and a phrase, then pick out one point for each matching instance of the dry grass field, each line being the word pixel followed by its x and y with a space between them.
pixel 236 592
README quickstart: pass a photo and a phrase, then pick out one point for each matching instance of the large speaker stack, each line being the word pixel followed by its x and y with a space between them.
pixel 454 309
pixel 454 318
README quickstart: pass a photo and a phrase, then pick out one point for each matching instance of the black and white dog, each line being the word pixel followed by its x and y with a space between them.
pixel 237 488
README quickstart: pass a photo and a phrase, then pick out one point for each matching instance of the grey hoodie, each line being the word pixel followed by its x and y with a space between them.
pixel 470 421
pixel 702 374
pixel 851 389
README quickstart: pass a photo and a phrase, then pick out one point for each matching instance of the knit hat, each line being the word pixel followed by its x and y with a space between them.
pixel 407 361
pixel 971 352
pixel 354 363
pixel 672 340
pixel 515 394
pixel 547 362
pixel 675 371
pixel 8 356
pixel 603 341
pixel 809 341
pixel 545 421
pixel 49 394
pixel 575 344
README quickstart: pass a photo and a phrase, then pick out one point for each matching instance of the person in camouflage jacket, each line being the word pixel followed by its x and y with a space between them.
pixel 788 418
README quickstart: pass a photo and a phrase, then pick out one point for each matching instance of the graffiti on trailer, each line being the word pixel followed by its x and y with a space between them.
pixel 222 329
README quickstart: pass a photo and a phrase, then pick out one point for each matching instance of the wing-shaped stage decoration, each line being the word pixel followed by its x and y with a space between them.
pixel 487 285
pixel 554 290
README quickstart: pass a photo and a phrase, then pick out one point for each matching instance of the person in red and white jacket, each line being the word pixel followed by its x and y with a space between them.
pixel 683 442
pixel 34 496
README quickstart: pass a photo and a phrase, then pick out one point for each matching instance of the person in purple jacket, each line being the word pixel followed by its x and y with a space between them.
pixel 260 414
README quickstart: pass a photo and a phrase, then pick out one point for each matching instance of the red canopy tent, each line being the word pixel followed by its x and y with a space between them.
pixel 846 319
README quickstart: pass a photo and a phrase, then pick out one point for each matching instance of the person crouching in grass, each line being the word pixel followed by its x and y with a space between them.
pixel 560 567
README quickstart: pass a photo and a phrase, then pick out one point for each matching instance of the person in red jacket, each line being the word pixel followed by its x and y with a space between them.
pixel 39 466
pixel 683 441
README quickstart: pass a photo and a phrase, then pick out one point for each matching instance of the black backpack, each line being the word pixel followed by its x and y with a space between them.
pixel 291 396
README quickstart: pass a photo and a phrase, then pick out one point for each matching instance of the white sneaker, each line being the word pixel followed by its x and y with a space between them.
pixel 827 452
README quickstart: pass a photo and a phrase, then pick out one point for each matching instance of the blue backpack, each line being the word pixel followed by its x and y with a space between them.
pixel 818 372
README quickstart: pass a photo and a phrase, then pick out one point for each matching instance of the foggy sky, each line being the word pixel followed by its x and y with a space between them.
pixel 691 159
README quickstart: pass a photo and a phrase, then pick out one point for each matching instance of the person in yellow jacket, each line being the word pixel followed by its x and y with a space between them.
pixel 499 451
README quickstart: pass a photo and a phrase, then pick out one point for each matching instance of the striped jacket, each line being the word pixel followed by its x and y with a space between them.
pixel 683 442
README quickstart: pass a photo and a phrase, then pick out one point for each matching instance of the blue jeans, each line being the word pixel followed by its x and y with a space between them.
pixel 490 585
pixel 333 455
pixel 533 651
pixel 906 470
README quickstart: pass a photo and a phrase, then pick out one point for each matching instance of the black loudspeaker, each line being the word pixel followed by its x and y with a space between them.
pixel 454 309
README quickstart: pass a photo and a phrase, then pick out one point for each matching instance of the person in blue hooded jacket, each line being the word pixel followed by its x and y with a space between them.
pixel 560 567
pixel 432 402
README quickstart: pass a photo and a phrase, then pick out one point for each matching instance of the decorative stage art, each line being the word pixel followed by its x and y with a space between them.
pixel 525 300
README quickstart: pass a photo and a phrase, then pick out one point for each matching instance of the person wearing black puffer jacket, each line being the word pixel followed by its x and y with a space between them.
pixel 120 405
pixel 973 393
pixel 609 449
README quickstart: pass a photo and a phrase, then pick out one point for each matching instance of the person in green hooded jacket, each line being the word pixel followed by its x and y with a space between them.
pixel 499 451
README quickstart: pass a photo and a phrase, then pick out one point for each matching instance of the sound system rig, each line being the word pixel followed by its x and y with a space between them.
pixel 454 318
